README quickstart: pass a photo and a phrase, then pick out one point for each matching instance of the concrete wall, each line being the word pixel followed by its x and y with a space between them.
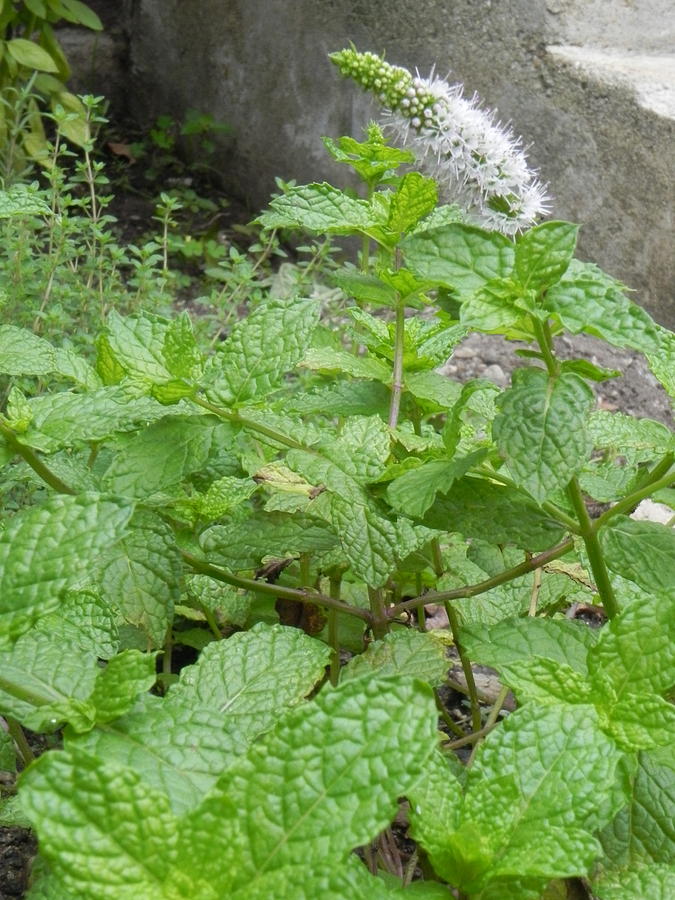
pixel 586 82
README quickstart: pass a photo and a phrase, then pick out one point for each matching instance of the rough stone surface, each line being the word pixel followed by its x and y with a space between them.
pixel 586 82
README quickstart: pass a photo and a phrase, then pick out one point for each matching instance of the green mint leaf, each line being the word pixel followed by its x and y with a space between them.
pixel 230 605
pixel 120 682
pixel 485 510
pixel 543 254
pixel 654 881
pixel 237 690
pixel 405 653
pixel 275 535
pixel 222 496
pixel 642 722
pixel 142 576
pixel 23 200
pixel 24 353
pixel 640 440
pixel 642 831
pixel 77 369
pixel 42 686
pixel 150 349
pixel 491 308
pixel 415 491
pixel 435 803
pixel 361 448
pixel 251 676
pixel 460 256
pixel 164 454
pixel 327 360
pixel 415 198
pixel 545 681
pixel 662 360
pixel 536 747
pixel 319 207
pixel 108 835
pixel 552 853
pixel 345 398
pixel 643 552
pixel 430 386
pixel 47 548
pixel 260 350
pixel 365 288
pixel 85 620
pixel 346 879
pixel 318 785
pixel 586 304
pixel 179 751
pixel 66 419
pixel 517 640
pixel 636 650
pixel 541 429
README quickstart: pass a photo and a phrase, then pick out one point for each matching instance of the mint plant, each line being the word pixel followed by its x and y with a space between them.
pixel 335 482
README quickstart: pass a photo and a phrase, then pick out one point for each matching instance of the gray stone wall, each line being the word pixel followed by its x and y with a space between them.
pixel 588 83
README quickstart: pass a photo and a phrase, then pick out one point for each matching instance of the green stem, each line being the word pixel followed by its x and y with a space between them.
pixel 590 537
pixel 542 332
pixel 301 595
pixel 397 373
pixel 472 590
pixel 237 419
pixel 552 509
pixel 34 461
pixel 378 613
pixel 211 622
pixel 491 720
pixel 466 667
pixel 19 738
pixel 333 631
pixel 445 715
pixel 664 479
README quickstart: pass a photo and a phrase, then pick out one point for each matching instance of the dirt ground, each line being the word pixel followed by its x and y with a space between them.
pixel 636 392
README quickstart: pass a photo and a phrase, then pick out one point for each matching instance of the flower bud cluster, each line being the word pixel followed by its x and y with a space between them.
pixel 480 160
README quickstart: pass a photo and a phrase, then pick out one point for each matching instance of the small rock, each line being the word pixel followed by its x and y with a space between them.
pixel 497 375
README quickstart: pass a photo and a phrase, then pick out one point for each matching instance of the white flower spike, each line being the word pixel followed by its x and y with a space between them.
pixel 458 143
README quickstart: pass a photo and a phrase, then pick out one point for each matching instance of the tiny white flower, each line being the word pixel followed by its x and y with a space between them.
pixel 481 162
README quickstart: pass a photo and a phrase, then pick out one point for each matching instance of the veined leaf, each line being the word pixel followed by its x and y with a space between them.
pixel 404 653
pixel 543 254
pixel 327 360
pixel 142 575
pixel 642 833
pixel 415 491
pixel 516 640
pixel 45 549
pixel 24 353
pixel 276 535
pixel 260 350
pixel 318 207
pixel 586 303
pixel 644 552
pixel 318 785
pixel 477 508
pixel 250 676
pixel 109 835
pixel 165 453
pixel 541 429
pixel 238 689
pixel 459 256
pixel 415 198
pixel 66 419
pixel 636 650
